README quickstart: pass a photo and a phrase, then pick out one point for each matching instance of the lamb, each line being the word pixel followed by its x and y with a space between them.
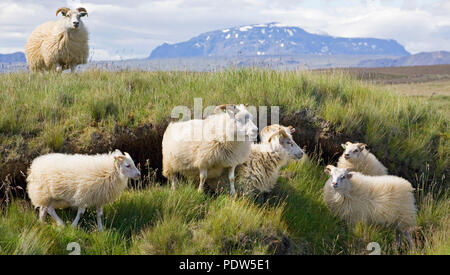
pixel 204 148
pixel 377 199
pixel 82 181
pixel 259 174
pixel 357 157
pixel 59 45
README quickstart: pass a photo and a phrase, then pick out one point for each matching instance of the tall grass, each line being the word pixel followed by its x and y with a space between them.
pixel 53 110
pixel 50 112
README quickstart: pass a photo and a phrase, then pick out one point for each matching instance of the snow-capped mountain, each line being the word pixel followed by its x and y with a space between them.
pixel 275 39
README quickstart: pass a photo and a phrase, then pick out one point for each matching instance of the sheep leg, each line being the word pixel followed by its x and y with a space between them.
pixel 203 175
pixel 77 218
pixel 231 179
pixel 398 238
pixel 174 181
pixel 52 213
pixel 408 237
pixel 99 218
pixel 58 68
pixel 42 213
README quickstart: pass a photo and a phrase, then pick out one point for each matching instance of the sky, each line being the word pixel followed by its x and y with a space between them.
pixel 133 28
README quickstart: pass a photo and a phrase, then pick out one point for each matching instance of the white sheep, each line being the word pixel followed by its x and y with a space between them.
pixel 82 181
pixel 357 157
pixel 204 148
pixel 376 199
pixel 259 174
pixel 59 45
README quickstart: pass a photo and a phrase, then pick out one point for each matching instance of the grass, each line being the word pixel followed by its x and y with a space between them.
pixel 157 220
pixel 69 112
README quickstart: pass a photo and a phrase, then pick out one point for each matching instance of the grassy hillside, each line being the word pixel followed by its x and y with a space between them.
pixel 100 111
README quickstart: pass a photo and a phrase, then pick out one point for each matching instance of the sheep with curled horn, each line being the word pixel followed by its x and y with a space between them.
pixel 59 45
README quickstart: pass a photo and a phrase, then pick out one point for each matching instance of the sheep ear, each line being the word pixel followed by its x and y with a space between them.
pixel 83 12
pixel 362 146
pixel 292 129
pixel 343 146
pixel 349 175
pixel 224 108
pixel 327 169
pixel 62 10
pixel 119 159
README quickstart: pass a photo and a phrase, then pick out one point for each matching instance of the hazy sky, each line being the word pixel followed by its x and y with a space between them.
pixel 133 28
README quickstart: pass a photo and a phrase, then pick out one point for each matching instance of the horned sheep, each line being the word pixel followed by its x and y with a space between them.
pixel 82 181
pixel 357 157
pixel 259 174
pixel 205 148
pixel 371 199
pixel 59 45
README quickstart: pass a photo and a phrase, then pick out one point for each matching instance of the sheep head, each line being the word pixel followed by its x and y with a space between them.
pixel 242 119
pixel 126 165
pixel 72 18
pixel 353 151
pixel 338 178
pixel 282 140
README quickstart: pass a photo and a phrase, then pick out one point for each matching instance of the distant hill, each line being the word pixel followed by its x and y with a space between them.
pixel 12 57
pixel 420 59
pixel 274 40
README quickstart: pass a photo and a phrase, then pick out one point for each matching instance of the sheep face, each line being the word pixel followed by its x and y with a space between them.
pixel 72 18
pixel 353 151
pixel 283 141
pixel 126 166
pixel 244 123
pixel 242 120
pixel 339 178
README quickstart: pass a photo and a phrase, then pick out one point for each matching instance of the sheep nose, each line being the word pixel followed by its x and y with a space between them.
pixel 346 155
pixel 76 24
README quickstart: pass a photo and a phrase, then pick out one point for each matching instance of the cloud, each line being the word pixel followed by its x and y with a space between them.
pixel 132 28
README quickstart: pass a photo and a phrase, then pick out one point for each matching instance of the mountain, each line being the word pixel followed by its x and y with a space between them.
pixel 420 59
pixel 274 39
pixel 12 57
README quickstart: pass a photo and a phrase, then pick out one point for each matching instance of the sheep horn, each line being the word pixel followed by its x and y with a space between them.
pixel 363 146
pixel 280 132
pixel 82 10
pixel 62 10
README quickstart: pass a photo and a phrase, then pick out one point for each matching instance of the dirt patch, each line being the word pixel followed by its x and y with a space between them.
pixel 143 143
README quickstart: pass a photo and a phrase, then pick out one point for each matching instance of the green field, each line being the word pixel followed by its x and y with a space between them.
pixel 96 112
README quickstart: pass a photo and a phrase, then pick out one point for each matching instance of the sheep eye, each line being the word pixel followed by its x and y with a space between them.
pixel 127 166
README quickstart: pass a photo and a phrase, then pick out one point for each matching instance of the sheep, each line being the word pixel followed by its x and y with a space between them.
pixel 204 148
pixel 259 174
pixel 59 45
pixel 357 157
pixel 377 199
pixel 61 180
